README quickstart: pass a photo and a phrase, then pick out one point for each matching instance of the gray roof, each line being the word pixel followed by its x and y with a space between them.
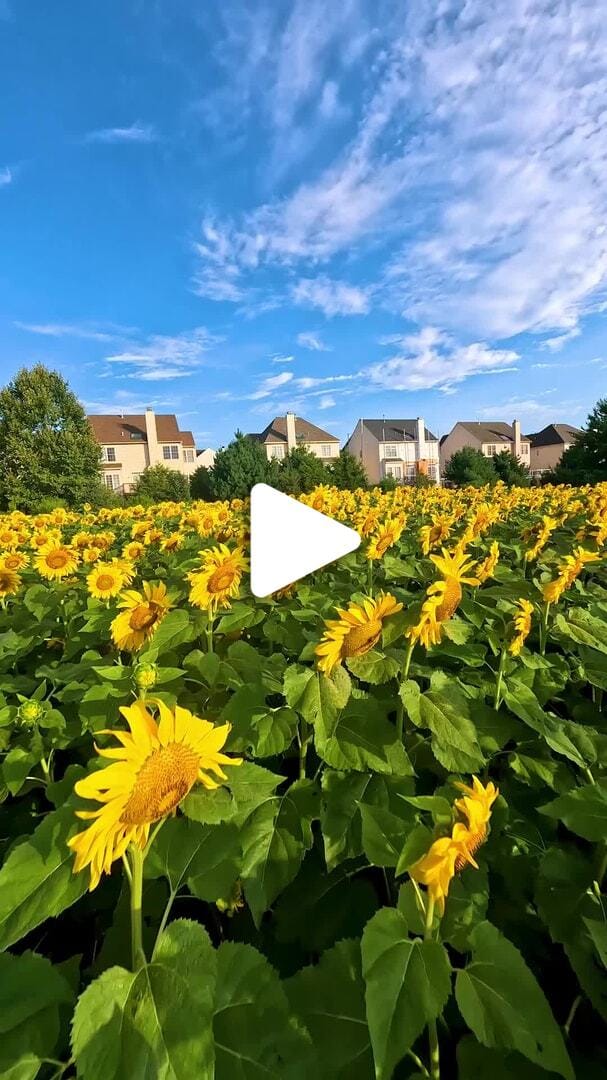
pixel 395 430
pixel 489 431
pixel 305 431
pixel 555 435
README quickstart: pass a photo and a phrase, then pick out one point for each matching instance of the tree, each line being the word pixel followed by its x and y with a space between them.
pixel 347 473
pixel 301 471
pixel 159 484
pixel 512 471
pixel 469 467
pixel 47 447
pixel 201 483
pixel 238 466
pixel 585 462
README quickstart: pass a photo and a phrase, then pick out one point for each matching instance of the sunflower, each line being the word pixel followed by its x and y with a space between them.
pixel 171 542
pixel 446 857
pixel 219 579
pixel 456 567
pixel 540 533
pixel 486 568
pixel 356 632
pixel 133 551
pixel 13 560
pixel 475 806
pixel 385 536
pixel 9 582
pixel 430 536
pixel 154 768
pixel 570 568
pixel 106 580
pixel 56 561
pixel 522 626
pixel 143 612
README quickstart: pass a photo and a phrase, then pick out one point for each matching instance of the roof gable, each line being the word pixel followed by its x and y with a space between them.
pixel 555 435
pixel 385 430
pixel 276 432
pixel 109 429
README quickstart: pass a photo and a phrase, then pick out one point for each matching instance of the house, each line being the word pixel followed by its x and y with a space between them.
pixel 130 443
pixel 401 449
pixel 284 433
pixel 549 445
pixel 490 437
pixel 206 458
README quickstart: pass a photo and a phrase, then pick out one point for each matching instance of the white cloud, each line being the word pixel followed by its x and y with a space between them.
pixel 312 341
pixel 124 401
pixel 332 297
pixel 270 384
pixel 432 359
pixel 163 356
pixel 135 133
pixel 85 331
pixel 533 412
pixel 555 344
pixel 6 176
pixel 327 401
pixel 279 359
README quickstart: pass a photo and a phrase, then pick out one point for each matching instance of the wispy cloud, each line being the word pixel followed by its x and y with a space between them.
pixel 332 297
pixel 279 359
pixel 123 401
pixel 6 175
pixel 269 385
pixel 555 344
pixel 433 359
pixel 534 411
pixel 163 357
pixel 312 341
pixel 85 331
pixel 135 133
pixel 327 401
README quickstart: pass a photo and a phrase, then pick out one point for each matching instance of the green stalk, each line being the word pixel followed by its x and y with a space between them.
pixel 400 712
pixel 499 680
pixel 136 885
pixel 544 628
pixel 209 629
pixel 432 1032
pixel 370 577
pixel 303 740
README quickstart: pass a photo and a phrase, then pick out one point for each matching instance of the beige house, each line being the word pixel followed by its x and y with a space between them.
pixel 130 443
pixel 491 437
pixel 206 458
pixel 402 449
pixel 284 433
pixel 549 445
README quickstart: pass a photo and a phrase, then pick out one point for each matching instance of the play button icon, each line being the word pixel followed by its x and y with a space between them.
pixel 290 540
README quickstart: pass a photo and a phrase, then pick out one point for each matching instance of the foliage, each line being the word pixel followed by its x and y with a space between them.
pixel 470 467
pixel 510 470
pixel 300 472
pixel 161 484
pixel 238 466
pixel 47 447
pixel 585 462
pixel 347 473
pixel 201 483
pixel 286 928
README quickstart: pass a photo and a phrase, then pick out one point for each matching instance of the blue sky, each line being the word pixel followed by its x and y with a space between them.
pixel 366 207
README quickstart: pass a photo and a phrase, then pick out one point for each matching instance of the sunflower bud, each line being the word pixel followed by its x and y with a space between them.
pixel 145 676
pixel 30 713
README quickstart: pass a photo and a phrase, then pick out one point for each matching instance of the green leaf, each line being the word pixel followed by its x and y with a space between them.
pixel 583 628
pixel 408 983
pixel 374 667
pixel 329 999
pixel 255 1038
pixel 524 704
pixel 466 908
pixel 340 820
pixel 155 1022
pixel 505 1007
pixel 475 1062
pixel 174 629
pixel 31 991
pixel 454 741
pixel 583 810
pixel 359 737
pixel 416 845
pixel 383 834
pixel 37 879
pixel 598 933
pixel 206 857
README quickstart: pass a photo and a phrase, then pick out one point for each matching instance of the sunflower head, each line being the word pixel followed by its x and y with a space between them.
pixel 355 632
pixel 219 579
pixel 106 580
pixel 141 615
pixel 9 582
pixel 455 565
pixel 56 561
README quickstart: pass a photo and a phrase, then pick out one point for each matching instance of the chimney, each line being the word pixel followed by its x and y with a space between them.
pixel 516 438
pixel 291 436
pixel 152 437
pixel 420 434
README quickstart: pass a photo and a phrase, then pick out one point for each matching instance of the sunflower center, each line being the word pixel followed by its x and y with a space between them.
pixel 162 782
pixel 56 560
pixel 475 841
pixel 105 581
pixel 384 543
pixel 451 598
pixel 142 616
pixel 6 582
pixel 11 562
pixel 221 579
pixel 360 639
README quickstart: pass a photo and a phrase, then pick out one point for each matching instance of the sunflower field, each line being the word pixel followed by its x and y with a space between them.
pixel 356 830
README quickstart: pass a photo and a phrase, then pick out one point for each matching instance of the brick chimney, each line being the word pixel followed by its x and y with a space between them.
pixel 291 436
pixel 516 438
pixel 152 437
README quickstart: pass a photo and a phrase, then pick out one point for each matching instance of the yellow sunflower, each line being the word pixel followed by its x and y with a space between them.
pixel 522 626
pixel 133 551
pixel 219 579
pixel 143 613
pixel 431 536
pixel 486 568
pixel 106 580
pixel 9 582
pixel 13 560
pixel 356 632
pixel 446 857
pixel 56 561
pixel 570 568
pixel 154 768
pixel 456 567
pixel 385 536
pixel 475 806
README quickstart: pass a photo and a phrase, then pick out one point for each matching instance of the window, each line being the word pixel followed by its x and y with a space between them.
pixel 395 471
pixel 170 453
pixel 108 453
pixel 326 450
pixel 492 449
pixel 112 481
pixel 524 449
pixel 277 450
pixel 188 455
pixel 134 477
pixel 390 451
pixel 137 435
pixel 411 472
pixel 432 471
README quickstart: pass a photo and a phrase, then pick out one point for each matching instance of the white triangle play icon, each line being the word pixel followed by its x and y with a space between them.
pixel 290 540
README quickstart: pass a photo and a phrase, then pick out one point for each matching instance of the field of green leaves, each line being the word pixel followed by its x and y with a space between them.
pixel 357 830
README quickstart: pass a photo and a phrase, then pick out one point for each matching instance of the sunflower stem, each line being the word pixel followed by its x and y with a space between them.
pixel 544 628
pixel 303 740
pixel 499 680
pixel 432 1032
pixel 574 1008
pixel 136 884
pixel 209 629
pixel 370 577
pixel 400 712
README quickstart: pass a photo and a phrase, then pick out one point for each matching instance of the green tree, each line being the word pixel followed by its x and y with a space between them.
pixel 201 483
pixel 47 448
pixel 469 467
pixel 159 484
pixel 512 471
pixel 301 471
pixel 347 473
pixel 238 466
pixel 585 462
